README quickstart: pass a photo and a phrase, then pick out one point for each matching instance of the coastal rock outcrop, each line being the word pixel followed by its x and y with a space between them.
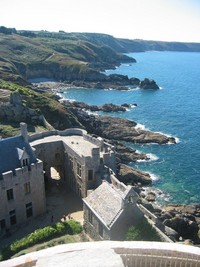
pixel 119 129
pixel 148 84
pixel 126 130
pixel 125 154
pixel 105 108
pixel 131 176
pixel 184 219
pixel 117 82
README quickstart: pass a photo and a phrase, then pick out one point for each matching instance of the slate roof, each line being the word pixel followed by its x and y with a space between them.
pixel 106 201
pixel 11 150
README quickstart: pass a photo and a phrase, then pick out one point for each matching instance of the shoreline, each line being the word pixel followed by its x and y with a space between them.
pixel 55 87
pixel 152 195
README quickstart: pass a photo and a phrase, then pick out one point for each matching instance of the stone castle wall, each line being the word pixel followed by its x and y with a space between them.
pixel 92 228
pixel 36 196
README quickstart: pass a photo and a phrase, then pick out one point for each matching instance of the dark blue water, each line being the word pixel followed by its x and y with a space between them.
pixel 173 110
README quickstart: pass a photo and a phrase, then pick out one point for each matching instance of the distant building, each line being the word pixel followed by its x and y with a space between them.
pixel 22 194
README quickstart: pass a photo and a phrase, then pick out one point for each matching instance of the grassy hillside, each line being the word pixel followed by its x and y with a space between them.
pixel 26 55
pixel 69 56
pixel 46 104
pixel 64 57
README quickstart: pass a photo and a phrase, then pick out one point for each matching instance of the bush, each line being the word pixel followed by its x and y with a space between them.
pixel 75 226
pixel 41 235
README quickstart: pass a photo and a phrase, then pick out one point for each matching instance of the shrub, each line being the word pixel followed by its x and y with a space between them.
pixel 143 231
pixel 75 226
pixel 41 235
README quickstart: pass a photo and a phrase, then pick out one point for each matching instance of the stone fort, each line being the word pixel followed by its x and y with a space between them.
pixel 86 164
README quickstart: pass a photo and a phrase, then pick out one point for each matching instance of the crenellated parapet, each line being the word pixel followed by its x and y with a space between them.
pixel 12 178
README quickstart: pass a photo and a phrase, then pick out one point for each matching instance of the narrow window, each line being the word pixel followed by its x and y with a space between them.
pixel 3 224
pixel 10 195
pixel 13 219
pixel 29 210
pixel 27 188
pixel 79 169
pixel 90 175
pixel 100 228
pixel 90 217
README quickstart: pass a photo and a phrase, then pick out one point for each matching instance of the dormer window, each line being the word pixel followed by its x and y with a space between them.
pixel 23 157
pixel 25 162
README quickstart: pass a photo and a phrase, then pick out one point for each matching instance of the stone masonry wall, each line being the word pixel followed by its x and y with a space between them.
pixel 33 175
pixel 92 228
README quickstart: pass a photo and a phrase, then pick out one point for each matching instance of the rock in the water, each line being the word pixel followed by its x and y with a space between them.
pixel 148 84
pixel 126 154
pixel 129 175
pixel 134 81
pixel 112 108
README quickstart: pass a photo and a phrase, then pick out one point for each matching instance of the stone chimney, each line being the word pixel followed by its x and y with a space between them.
pixel 23 129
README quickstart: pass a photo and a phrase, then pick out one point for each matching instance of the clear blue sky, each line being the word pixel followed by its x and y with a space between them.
pixel 167 20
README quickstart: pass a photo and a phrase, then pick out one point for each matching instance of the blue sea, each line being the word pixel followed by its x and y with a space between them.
pixel 173 110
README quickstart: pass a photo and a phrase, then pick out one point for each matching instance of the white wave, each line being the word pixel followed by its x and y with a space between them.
pixel 108 89
pixel 142 160
pixel 89 112
pixel 140 126
pixel 154 177
pixel 151 157
pixel 132 89
pixel 133 106
pixel 71 100
pixel 177 140
pixel 169 135
pixel 60 95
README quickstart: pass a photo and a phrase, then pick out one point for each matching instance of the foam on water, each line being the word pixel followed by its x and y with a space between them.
pixel 140 126
pixel 154 177
pixel 151 157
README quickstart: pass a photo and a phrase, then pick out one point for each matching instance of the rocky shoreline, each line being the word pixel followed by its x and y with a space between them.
pixel 183 220
pixel 119 129
pixel 105 108
pixel 112 81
